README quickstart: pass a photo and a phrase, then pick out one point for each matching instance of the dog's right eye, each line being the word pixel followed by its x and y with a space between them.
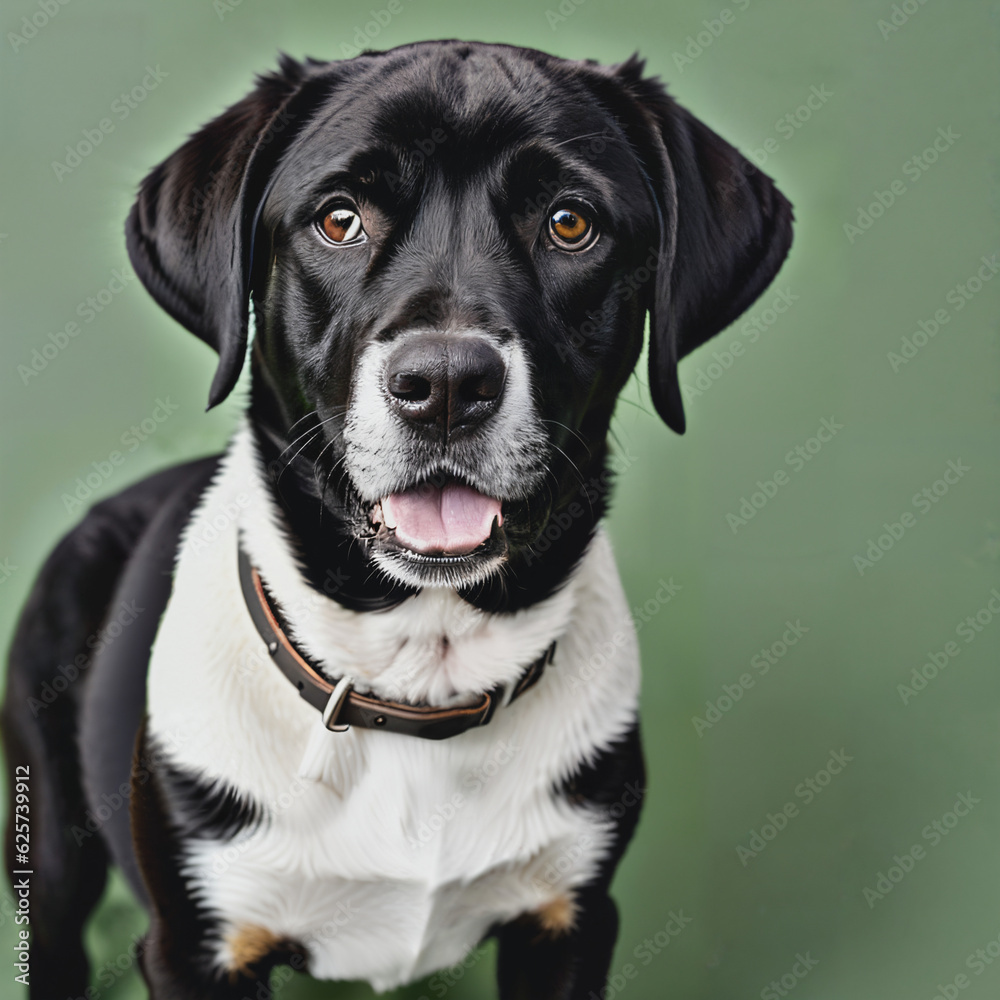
pixel 570 229
pixel 342 226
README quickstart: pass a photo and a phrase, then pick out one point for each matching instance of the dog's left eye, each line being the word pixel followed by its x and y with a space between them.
pixel 342 226
pixel 570 229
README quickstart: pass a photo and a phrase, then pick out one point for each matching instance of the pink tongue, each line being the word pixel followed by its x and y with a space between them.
pixel 452 520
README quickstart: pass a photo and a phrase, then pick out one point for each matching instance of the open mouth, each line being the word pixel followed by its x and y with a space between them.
pixel 445 520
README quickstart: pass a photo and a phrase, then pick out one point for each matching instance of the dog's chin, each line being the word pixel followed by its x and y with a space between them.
pixel 419 569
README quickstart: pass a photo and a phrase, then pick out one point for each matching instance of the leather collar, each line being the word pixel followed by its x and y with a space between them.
pixel 343 707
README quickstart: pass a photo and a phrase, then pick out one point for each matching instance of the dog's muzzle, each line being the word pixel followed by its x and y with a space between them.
pixel 443 388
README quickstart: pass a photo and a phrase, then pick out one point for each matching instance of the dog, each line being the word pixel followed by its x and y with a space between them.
pixel 376 699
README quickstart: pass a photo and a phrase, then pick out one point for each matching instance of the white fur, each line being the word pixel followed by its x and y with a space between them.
pixel 405 851
pixel 382 453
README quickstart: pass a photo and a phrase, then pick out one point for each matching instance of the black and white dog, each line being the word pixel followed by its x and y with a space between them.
pixel 381 681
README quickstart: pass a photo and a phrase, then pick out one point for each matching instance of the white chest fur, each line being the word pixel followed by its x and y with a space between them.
pixel 394 855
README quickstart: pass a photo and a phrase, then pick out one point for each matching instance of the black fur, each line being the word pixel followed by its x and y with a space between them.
pixel 62 625
pixel 689 232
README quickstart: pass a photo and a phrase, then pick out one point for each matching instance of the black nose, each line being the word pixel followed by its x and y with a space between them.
pixel 453 381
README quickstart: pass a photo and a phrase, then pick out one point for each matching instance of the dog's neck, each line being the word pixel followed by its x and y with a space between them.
pixel 432 646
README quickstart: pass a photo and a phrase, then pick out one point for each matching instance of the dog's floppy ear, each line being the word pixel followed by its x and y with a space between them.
pixel 190 232
pixel 725 230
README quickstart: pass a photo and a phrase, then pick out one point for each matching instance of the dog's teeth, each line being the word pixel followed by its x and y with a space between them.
pixel 387 521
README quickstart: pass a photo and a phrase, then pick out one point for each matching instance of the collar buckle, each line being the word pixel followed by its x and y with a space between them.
pixel 335 703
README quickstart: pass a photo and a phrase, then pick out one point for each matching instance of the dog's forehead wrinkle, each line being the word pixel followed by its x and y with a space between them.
pixel 466 79
pixel 487 112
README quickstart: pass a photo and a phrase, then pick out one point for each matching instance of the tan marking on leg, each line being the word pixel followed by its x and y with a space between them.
pixel 248 944
pixel 557 917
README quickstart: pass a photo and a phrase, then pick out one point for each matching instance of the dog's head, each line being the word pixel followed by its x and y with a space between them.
pixel 451 249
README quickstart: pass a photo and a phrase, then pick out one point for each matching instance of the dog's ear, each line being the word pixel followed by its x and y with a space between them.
pixel 190 232
pixel 725 231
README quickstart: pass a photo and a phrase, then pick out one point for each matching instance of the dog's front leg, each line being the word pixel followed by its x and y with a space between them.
pixel 172 974
pixel 538 964
pixel 563 952
pixel 178 959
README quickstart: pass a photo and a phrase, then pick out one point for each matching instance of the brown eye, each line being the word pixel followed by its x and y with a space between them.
pixel 342 225
pixel 569 229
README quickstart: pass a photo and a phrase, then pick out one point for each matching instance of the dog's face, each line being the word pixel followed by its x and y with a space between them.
pixel 451 249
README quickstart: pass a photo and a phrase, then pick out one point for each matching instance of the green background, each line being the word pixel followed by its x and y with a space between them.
pixel 825 357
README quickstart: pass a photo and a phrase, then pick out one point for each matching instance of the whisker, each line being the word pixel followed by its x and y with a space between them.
pixel 322 423
pixel 575 434
pixel 322 451
pixel 305 416
pixel 326 484
pixel 310 436
pixel 579 474
pixel 314 433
